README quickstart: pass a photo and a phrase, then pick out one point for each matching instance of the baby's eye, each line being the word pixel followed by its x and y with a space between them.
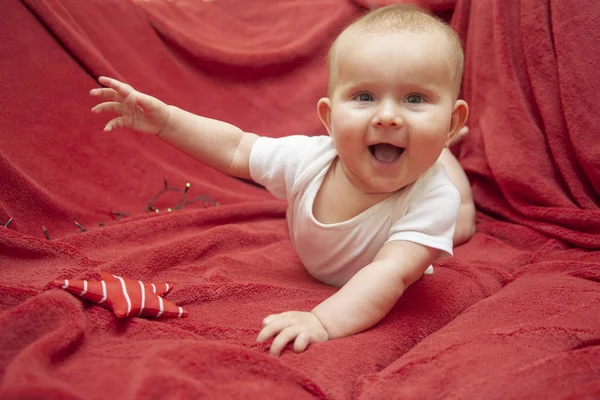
pixel 414 99
pixel 364 97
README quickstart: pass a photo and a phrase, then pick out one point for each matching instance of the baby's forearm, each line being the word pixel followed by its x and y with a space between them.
pixel 363 301
pixel 217 144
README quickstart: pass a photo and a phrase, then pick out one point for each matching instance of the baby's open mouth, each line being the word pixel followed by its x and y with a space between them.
pixel 385 152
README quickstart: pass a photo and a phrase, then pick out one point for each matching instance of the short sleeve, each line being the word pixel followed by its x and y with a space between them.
pixel 431 212
pixel 276 163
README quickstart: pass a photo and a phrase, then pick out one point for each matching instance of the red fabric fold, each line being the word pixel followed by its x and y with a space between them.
pixel 256 39
pixel 533 145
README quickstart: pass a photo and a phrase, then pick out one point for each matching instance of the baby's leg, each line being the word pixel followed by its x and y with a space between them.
pixel 465 224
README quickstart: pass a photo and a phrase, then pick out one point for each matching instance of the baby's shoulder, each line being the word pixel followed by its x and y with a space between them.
pixel 434 180
pixel 434 188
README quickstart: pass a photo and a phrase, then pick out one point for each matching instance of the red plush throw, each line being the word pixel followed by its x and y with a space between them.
pixel 125 297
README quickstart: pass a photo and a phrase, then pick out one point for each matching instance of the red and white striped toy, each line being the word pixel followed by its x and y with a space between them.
pixel 125 297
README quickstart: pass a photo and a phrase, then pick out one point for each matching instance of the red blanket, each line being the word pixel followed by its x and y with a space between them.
pixel 513 315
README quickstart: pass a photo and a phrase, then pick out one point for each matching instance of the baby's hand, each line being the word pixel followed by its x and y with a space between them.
pixel 300 327
pixel 137 110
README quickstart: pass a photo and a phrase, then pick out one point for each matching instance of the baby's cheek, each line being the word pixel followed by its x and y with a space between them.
pixel 431 127
pixel 345 120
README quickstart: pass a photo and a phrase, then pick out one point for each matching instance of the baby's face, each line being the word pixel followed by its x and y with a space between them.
pixel 391 106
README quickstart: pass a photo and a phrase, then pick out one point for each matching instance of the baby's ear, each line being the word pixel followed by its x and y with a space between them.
pixel 460 113
pixel 324 112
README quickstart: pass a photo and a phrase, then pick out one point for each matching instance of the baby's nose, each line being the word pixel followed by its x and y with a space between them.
pixel 388 115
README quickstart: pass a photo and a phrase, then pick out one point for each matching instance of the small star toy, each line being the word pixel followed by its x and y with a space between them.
pixel 125 297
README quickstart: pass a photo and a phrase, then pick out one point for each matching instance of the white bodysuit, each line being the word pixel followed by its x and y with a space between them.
pixel 292 169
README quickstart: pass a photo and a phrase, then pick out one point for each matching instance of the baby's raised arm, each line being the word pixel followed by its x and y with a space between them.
pixel 217 144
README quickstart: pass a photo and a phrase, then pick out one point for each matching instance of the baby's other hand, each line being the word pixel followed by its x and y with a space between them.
pixel 302 328
pixel 137 110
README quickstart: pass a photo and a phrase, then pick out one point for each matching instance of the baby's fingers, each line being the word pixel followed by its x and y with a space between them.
pixel 272 325
pixel 283 338
pixel 106 94
pixel 115 123
pixel 301 343
pixel 268 332
pixel 121 88
pixel 111 106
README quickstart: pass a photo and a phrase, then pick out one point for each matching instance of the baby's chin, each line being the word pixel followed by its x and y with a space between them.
pixel 366 183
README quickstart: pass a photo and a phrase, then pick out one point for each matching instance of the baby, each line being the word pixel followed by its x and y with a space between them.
pixel 374 203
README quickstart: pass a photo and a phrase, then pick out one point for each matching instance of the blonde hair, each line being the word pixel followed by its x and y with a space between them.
pixel 399 18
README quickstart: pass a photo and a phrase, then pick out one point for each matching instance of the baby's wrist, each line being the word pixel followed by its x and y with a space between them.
pixel 321 323
pixel 166 122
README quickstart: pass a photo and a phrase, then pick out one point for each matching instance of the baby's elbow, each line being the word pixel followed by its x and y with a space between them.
pixel 465 226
